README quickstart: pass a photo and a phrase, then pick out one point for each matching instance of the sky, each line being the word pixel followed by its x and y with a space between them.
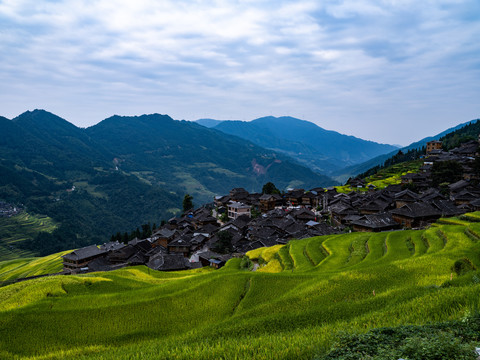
pixel 392 71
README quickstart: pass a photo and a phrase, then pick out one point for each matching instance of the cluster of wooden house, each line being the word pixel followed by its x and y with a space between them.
pixel 8 210
pixel 189 241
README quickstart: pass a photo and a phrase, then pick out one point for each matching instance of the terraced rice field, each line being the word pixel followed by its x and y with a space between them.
pixel 293 307
pixel 18 228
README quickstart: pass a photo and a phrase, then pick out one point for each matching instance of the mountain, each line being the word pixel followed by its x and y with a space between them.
pixel 209 123
pixel 126 171
pixel 343 174
pixel 56 169
pixel 322 150
pixel 203 162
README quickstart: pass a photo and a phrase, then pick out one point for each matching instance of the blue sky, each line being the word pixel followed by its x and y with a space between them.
pixel 391 71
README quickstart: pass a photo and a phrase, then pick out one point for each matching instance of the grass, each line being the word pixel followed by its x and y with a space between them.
pixel 26 267
pixel 293 307
pixel 384 177
pixel 18 228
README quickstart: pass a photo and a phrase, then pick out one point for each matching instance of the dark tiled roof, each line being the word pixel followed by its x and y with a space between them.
pixel 417 210
pixel 99 264
pixel 207 255
pixel 465 195
pixel 84 253
pixel 376 221
pixel 112 246
pixel 180 242
pixel 459 185
pixel 142 245
pixel 241 221
pixel 447 207
pixel 123 253
pixel 207 229
pixel 167 262
pixel 406 195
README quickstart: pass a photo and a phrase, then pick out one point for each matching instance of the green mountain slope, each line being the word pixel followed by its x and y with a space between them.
pixel 320 149
pixel 343 174
pixel 42 158
pixel 124 172
pixel 202 161
pixel 19 228
pixel 295 309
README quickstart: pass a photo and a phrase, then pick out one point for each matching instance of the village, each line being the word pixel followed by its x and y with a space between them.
pixel 9 210
pixel 241 221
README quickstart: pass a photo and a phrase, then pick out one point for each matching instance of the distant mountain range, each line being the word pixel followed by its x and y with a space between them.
pixel 323 151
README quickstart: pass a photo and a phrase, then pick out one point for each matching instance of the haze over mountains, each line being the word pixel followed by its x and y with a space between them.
pixel 324 151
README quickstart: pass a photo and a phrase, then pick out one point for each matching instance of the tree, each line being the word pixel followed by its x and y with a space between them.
pixel 146 231
pixel 224 217
pixel 187 203
pixel 446 172
pixel 270 188
pixel 254 212
pixel 224 243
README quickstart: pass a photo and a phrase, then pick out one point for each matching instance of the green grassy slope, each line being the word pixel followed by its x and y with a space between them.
pixel 18 228
pixel 26 267
pixel 293 307
pixel 391 175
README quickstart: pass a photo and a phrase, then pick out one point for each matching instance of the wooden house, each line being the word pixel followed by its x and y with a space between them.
pixel 237 209
pixel 181 245
pixel 405 197
pixel 294 197
pixel 78 259
pixel 164 236
pixel 269 202
pixel 415 215
pixel 238 194
pixel 433 145
pixel 375 223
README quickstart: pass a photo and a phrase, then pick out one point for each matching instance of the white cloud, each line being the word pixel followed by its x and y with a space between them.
pixel 330 61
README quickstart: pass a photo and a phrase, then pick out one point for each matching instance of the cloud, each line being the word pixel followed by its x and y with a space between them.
pixel 356 66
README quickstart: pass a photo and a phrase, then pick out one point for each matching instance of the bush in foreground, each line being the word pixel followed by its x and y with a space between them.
pixel 442 341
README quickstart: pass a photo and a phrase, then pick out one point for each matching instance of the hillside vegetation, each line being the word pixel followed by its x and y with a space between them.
pixel 123 172
pixel 322 150
pixel 391 175
pixel 20 228
pixel 295 306
pixel 463 134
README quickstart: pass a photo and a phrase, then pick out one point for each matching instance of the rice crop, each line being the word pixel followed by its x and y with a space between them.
pixel 293 307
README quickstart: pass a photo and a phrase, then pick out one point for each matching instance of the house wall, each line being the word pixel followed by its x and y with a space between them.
pixel 234 213
pixel 434 145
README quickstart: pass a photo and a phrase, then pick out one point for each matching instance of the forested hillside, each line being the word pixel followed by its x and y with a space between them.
pixel 124 172
pixel 343 174
pixel 322 150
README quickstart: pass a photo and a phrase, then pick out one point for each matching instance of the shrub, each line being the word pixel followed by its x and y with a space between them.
pixel 463 266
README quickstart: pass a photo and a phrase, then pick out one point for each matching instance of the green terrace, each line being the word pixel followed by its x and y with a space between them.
pixel 384 177
pixel 16 229
pixel 300 303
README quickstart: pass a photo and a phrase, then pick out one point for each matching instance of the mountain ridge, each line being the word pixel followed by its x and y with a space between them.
pixel 126 171
pixel 303 140
pixel 344 174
